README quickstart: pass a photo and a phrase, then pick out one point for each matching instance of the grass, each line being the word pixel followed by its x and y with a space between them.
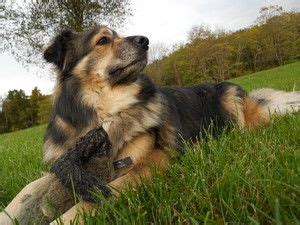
pixel 20 161
pixel 241 177
pixel 285 77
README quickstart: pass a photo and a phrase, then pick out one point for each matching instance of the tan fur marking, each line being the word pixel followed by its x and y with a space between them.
pixel 168 135
pixel 57 90
pixel 64 126
pixel 80 68
pixel 255 115
pixel 137 150
pixel 103 31
pixel 234 105
pixel 108 100
pixel 51 151
pixel 101 58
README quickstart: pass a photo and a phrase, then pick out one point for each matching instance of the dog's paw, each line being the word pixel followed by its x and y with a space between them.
pixel 96 141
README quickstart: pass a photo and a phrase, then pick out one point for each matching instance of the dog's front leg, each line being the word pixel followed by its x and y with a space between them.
pixel 73 215
pixel 69 167
pixel 27 202
pixel 134 177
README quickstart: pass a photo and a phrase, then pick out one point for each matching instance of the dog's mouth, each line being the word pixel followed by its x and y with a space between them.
pixel 130 68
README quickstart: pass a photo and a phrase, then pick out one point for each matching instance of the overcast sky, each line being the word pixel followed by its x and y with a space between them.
pixel 166 21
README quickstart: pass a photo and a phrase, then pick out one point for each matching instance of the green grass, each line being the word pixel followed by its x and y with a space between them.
pixel 20 161
pixel 242 177
pixel 239 178
pixel 286 78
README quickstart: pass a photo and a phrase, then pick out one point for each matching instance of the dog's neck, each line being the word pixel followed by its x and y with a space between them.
pixel 108 100
pixel 78 100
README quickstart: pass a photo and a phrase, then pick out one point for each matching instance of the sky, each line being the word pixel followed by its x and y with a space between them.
pixel 163 21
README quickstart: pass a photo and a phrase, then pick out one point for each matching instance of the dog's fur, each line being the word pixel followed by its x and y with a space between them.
pixel 100 83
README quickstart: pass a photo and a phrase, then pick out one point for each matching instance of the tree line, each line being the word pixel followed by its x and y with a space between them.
pixel 212 56
pixel 18 111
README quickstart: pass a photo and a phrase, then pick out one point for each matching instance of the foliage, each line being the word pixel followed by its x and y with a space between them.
pixel 45 109
pixel 20 111
pixel 157 51
pixel 216 55
pixel 28 26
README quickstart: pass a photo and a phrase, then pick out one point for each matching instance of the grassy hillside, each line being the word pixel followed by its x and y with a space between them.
pixel 214 56
pixel 240 178
pixel 286 78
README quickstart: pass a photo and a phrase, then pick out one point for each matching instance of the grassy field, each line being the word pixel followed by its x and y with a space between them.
pixel 20 160
pixel 239 178
pixel 286 78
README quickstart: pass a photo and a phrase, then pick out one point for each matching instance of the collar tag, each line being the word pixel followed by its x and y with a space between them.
pixel 121 163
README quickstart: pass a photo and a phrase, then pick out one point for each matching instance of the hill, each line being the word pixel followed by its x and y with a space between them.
pixel 274 40
pixel 285 77
pixel 242 177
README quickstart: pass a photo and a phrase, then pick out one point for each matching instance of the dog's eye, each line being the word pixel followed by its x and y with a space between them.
pixel 103 41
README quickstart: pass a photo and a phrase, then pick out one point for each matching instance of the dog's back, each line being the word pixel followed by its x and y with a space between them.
pixel 211 107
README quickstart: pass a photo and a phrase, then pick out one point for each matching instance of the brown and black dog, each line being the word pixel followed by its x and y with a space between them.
pixel 100 84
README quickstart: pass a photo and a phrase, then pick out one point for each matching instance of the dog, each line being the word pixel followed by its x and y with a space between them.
pixel 100 83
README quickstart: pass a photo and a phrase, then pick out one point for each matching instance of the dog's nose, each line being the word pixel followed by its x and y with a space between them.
pixel 140 41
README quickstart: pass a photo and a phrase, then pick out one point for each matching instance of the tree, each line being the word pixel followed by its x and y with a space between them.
pixel 28 27
pixel 199 33
pixel 19 111
pixel 45 110
pixel 35 99
pixel 16 108
pixel 268 12
pixel 157 51
pixel 218 55
pixel 3 118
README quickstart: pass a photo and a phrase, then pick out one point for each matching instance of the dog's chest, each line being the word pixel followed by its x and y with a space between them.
pixel 108 101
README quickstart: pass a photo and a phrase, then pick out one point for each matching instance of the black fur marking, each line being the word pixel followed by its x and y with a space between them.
pixel 56 52
pixel 148 88
pixel 68 168
pixel 115 34
pixel 70 108
pixel 223 86
pixel 197 109
pixel 73 45
pixel 56 134
pixel 262 101
pixel 89 35
pixel 67 72
pixel 80 48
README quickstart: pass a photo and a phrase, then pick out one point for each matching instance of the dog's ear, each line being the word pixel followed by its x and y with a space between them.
pixel 57 51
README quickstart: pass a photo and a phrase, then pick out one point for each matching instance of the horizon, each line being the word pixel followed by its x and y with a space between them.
pixel 164 27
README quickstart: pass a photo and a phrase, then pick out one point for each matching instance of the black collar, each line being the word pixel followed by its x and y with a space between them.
pixel 121 163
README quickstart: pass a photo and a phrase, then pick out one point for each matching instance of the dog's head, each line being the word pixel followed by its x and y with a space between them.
pixel 100 52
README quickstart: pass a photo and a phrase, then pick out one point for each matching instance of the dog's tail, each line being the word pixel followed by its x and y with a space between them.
pixel 261 104
pixel 277 102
